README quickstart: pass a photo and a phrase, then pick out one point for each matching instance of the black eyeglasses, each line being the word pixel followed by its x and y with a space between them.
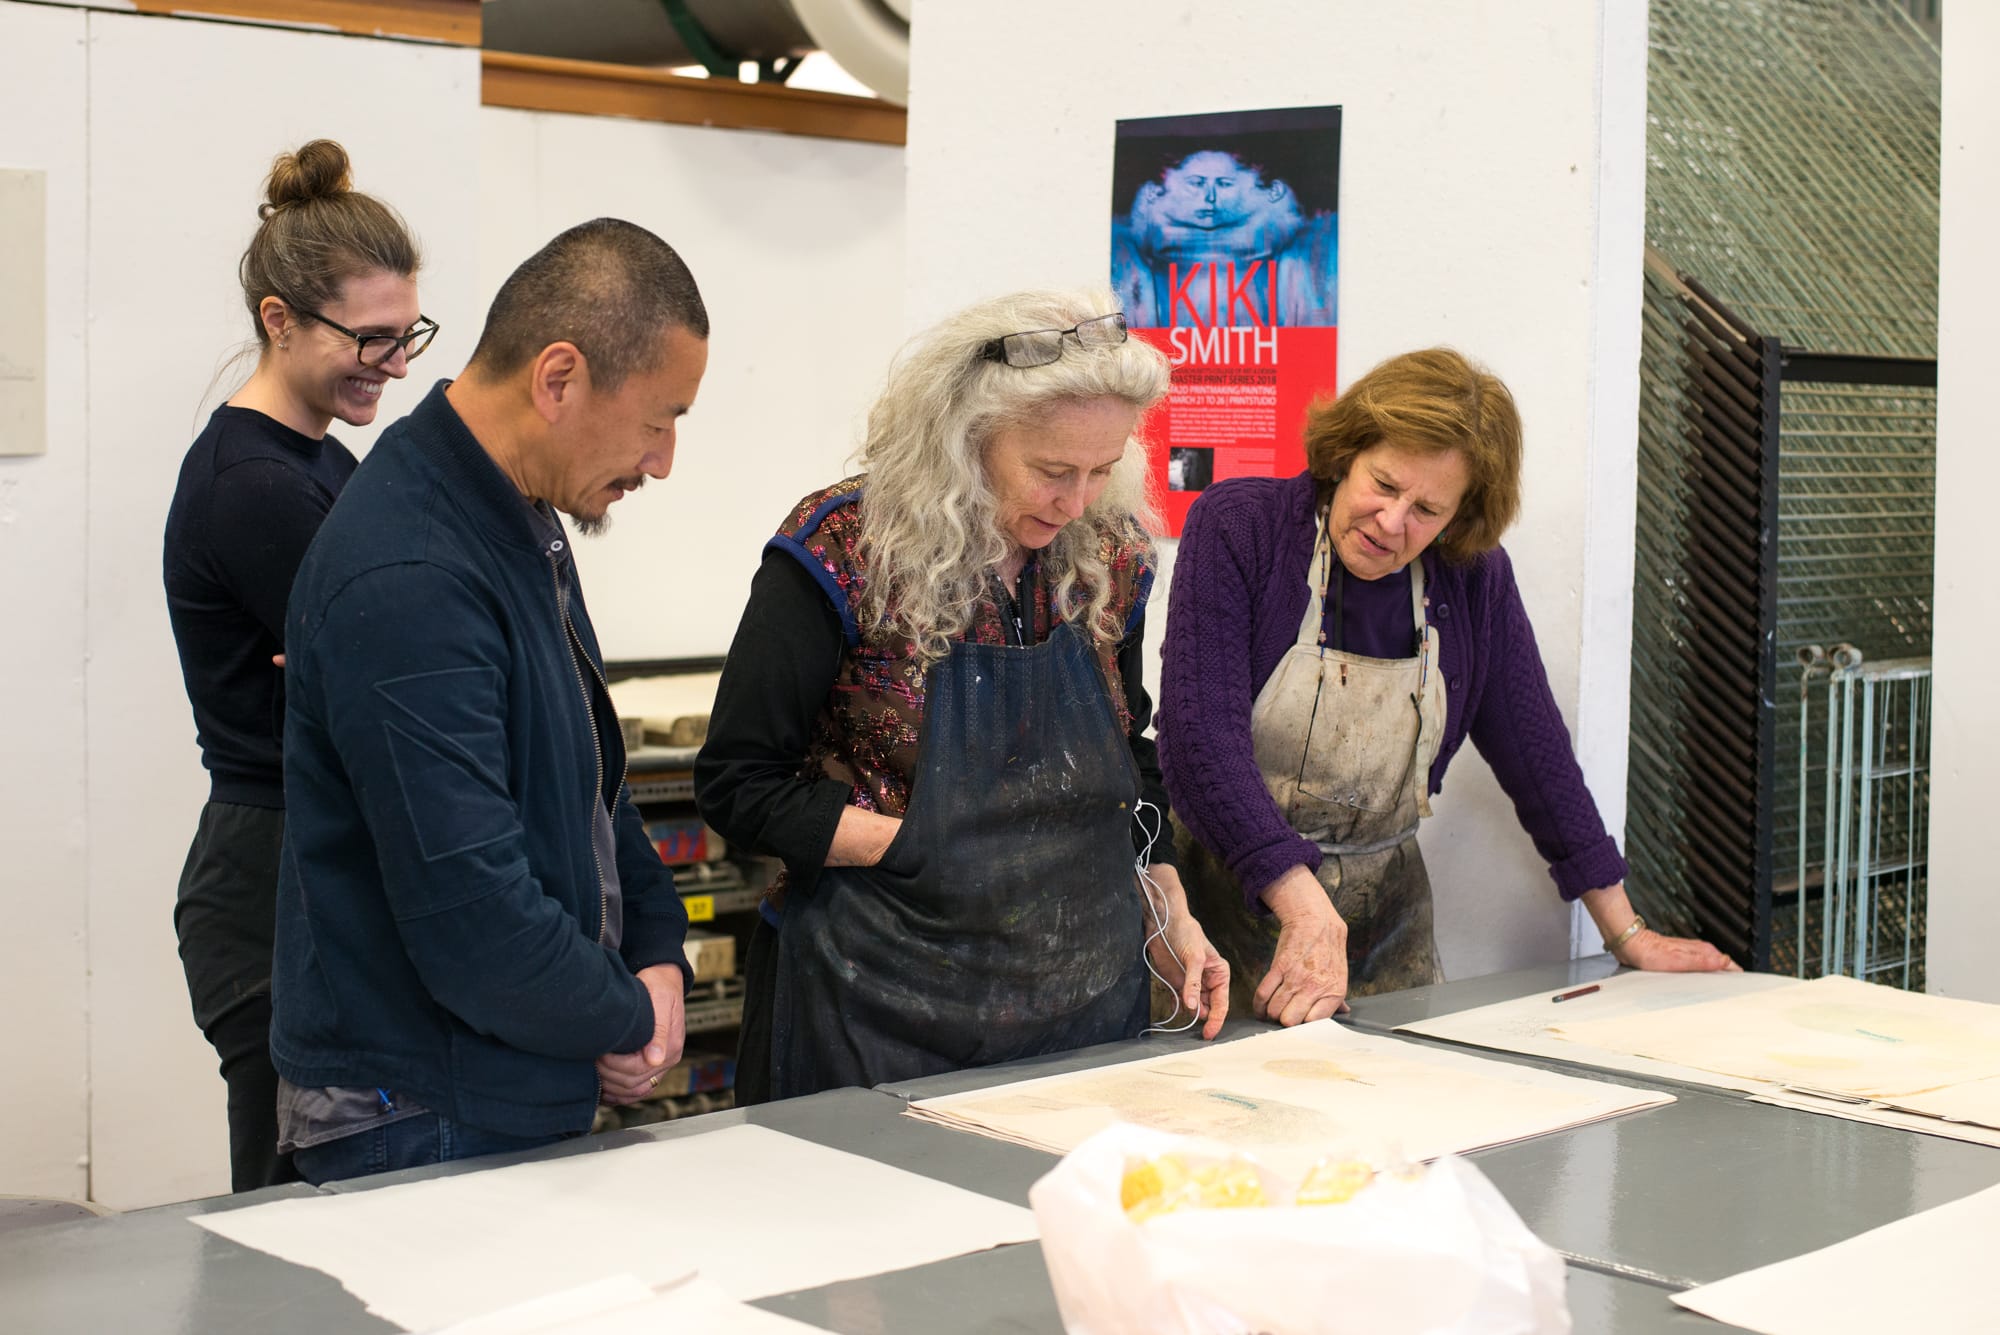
pixel 1039 347
pixel 374 349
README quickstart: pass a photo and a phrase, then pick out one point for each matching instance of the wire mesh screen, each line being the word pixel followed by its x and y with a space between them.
pixel 1928 15
pixel 1856 500
pixel 1857 496
pixel 1792 166
pixel 1793 171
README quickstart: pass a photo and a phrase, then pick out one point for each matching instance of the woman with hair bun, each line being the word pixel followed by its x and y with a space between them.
pixel 933 714
pixel 329 280
pixel 1335 638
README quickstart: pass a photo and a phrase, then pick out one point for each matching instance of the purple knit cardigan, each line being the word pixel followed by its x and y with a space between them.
pixel 1238 593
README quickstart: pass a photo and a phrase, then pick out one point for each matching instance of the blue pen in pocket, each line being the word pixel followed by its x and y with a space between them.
pixel 388 1104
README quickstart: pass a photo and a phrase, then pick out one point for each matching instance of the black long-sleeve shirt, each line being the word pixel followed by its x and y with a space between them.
pixel 784 660
pixel 252 494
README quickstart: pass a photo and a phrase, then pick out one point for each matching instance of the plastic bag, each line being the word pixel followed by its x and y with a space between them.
pixel 1433 1253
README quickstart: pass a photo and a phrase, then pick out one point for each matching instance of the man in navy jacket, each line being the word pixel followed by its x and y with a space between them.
pixel 476 944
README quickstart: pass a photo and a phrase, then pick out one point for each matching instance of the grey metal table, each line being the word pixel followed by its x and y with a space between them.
pixel 153 1271
pixel 1707 1186
pixel 1007 1292
pixel 1640 1205
pixel 1381 1014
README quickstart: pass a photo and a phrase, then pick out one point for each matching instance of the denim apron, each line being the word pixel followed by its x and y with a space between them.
pixel 1004 920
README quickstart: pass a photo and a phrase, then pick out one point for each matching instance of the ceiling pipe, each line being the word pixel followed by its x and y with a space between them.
pixel 870 39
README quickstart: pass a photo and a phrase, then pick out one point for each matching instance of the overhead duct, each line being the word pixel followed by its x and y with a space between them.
pixel 870 39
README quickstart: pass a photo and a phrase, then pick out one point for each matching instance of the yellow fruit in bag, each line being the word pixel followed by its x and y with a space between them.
pixel 1335 1181
pixel 1230 1186
pixel 1148 1182
pixel 1153 1187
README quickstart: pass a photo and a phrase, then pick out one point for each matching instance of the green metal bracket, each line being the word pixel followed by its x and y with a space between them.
pixel 779 70
pixel 719 63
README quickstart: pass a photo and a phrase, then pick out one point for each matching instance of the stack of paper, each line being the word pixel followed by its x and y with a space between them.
pixel 1831 1035
pixel 1831 1045
pixel 1296 1096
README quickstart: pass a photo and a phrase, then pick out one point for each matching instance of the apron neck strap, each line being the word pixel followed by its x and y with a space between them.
pixel 1312 627
pixel 1322 570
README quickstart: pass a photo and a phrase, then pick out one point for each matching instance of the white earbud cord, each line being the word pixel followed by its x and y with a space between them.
pixel 1156 903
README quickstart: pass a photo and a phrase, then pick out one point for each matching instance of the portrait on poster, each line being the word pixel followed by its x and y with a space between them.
pixel 1225 253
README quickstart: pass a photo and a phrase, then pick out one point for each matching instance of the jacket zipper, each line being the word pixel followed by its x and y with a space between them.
pixel 571 643
pixel 597 751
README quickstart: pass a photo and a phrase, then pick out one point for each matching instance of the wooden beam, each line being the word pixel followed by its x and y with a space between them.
pixel 596 88
pixel 455 22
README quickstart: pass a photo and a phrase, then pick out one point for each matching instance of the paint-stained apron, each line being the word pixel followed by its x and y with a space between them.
pixel 1345 744
pixel 1004 920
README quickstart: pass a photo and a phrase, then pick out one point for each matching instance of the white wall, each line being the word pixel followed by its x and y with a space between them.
pixel 155 148
pixel 798 247
pixel 43 865
pixel 1965 640
pixel 176 167
pixel 1476 210
pixel 1603 715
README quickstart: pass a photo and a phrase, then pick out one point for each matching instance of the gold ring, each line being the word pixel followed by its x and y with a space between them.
pixel 654 1083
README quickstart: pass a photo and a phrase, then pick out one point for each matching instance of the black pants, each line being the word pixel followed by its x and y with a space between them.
pixel 223 917
pixel 753 1040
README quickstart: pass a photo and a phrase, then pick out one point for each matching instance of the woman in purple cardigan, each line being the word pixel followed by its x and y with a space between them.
pixel 1333 639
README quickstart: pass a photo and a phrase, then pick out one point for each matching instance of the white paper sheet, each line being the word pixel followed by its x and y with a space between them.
pixel 1834 1034
pixel 1975 1101
pixel 1931 1273
pixel 1293 1097
pixel 1524 1024
pixel 1876 1115
pixel 622 1305
pixel 1968 1112
pixel 754 1211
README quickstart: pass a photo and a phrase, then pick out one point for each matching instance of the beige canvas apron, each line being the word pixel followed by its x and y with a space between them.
pixel 1345 744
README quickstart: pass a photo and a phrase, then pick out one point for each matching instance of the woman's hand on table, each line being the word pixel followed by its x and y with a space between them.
pixel 1308 976
pixel 1183 956
pixel 1673 954
pixel 1647 949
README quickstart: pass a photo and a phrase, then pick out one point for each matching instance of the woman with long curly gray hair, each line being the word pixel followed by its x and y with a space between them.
pixel 933 713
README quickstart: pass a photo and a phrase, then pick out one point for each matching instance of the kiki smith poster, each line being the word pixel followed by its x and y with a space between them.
pixel 1224 249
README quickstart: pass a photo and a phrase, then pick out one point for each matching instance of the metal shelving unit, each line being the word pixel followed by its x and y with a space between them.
pixel 721 894
pixel 721 1007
